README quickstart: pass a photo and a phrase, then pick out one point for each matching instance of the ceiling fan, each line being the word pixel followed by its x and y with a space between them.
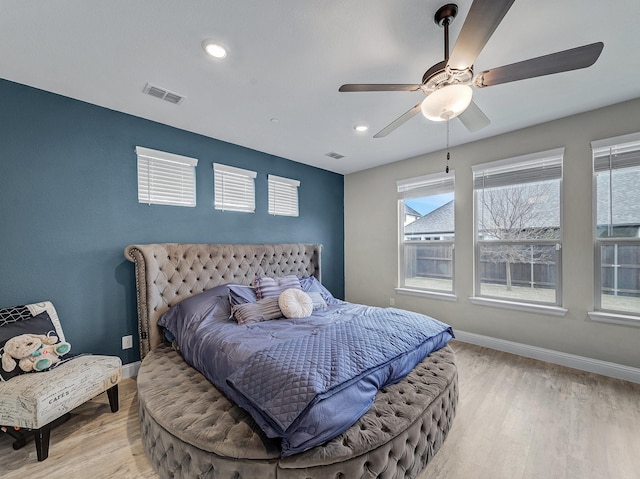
pixel 447 84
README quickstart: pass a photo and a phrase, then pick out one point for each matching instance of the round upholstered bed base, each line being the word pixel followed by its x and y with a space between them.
pixel 190 429
pixel 173 458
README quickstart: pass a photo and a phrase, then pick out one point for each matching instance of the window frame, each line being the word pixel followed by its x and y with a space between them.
pixel 599 148
pixel 417 187
pixel 175 178
pixel 239 179
pixel 519 170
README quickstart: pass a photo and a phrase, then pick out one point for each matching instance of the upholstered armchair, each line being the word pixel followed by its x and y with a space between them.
pixel 35 401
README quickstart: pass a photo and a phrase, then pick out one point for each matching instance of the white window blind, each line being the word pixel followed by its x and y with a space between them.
pixel 166 178
pixel 234 188
pixel 283 196
pixel 428 185
pixel 546 165
pixel 616 153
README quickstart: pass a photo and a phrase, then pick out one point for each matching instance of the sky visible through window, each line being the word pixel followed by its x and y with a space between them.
pixel 427 204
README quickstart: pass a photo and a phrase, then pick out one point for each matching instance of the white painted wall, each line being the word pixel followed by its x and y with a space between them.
pixel 371 239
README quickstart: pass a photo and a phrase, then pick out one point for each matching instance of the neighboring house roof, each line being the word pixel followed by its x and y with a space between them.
pixel 408 210
pixel 439 220
pixel 626 198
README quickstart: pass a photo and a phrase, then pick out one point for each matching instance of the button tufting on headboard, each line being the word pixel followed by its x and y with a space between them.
pixel 174 270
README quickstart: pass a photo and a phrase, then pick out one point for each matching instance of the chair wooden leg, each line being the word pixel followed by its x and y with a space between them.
pixel 19 442
pixel 20 438
pixel 41 437
pixel 112 394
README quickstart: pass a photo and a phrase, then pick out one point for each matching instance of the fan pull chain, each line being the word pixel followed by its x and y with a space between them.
pixel 448 155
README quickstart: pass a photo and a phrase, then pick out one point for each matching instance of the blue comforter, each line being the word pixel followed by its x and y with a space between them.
pixel 303 380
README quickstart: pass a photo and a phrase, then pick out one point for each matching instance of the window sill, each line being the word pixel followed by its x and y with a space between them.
pixel 615 318
pixel 427 294
pixel 528 307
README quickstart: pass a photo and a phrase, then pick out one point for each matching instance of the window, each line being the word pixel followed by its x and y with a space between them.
pixel 165 178
pixel 234 188
pixel 427 233
pixel 283 196
pixel 518 228
pixel 616 167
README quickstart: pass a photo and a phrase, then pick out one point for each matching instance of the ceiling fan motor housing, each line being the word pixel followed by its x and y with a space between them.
pixel 439 75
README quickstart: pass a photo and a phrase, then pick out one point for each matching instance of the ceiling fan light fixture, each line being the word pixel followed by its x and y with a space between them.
pixel 446 102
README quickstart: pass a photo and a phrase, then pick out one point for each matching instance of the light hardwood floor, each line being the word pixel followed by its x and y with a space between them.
pixel 516 418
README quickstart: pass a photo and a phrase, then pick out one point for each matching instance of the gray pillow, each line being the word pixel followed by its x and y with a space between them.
pixel 262 310
pixel 267 287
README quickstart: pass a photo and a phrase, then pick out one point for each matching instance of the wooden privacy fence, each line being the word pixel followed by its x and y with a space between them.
pixel 620 268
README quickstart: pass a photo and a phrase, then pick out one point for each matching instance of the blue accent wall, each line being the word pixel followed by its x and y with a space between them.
pixel 69 206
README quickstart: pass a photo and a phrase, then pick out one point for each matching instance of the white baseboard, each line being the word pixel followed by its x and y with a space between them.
pixel 605 368
pixel 130 370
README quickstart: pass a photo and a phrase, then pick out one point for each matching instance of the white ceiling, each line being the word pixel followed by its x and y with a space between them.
pixel 287 59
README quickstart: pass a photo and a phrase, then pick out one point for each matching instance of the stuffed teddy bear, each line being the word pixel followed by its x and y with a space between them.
pixel 33 352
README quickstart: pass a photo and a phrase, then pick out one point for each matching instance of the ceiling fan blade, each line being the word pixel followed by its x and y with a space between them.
pixel 350 87
pixel 567 60
pixel 483 18
pixel 473 118
pixel 398 121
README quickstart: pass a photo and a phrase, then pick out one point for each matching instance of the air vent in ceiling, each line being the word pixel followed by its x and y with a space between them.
pixel 163 94
pixel 335 155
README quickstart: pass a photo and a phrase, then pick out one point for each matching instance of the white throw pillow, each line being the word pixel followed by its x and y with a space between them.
pixel 295 303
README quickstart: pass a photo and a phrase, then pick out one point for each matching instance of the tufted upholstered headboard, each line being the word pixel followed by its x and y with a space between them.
pixel 167 273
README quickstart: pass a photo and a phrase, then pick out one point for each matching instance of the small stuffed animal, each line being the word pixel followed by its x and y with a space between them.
pixel 33 352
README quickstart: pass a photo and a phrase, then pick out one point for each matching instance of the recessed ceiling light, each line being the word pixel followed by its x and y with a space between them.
pixel 214 49
pixel 361 128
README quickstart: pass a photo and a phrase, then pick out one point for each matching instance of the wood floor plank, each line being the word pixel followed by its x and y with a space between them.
pixel 517 418
pixel 548 421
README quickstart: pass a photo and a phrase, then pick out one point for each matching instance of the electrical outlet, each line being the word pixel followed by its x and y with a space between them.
pixel 392 302
pixel 127 342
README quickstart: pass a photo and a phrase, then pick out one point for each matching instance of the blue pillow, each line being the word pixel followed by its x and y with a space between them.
pixel 312 285
pixel 241 294
pixel 194 309
pixel 317 300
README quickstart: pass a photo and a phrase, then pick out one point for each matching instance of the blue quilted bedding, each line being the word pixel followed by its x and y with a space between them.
pixel 303 380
